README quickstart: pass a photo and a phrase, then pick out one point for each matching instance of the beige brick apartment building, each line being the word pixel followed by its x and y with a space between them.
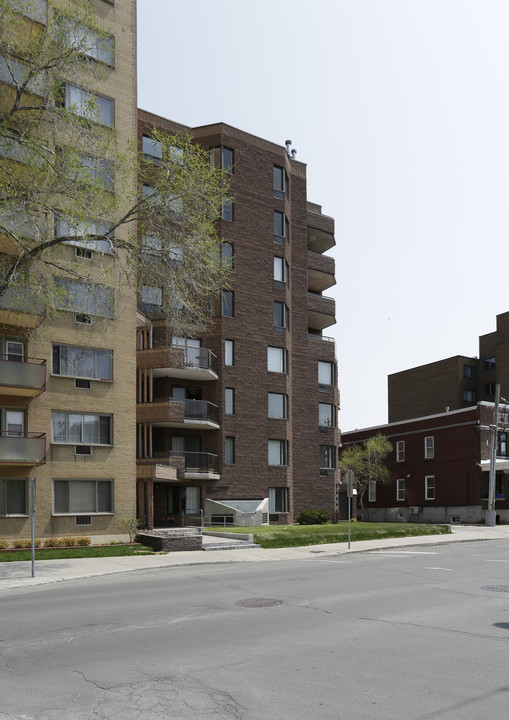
pixel 67 400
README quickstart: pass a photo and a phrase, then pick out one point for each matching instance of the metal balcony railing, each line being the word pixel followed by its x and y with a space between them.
pixel 199 461
pixel 22 373
pixel 22 448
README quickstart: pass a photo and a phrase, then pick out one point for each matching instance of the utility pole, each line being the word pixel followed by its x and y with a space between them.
pixel 490 512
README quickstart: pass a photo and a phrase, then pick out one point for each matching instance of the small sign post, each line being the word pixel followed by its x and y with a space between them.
pixel 349 492
pixel 32 510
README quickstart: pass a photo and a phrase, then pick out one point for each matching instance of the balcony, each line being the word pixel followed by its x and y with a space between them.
pixel 320 272
pixel 22 378
pixel 22 449
pixel 186 363
pixel 198 465
pixel 198 414
pixel 152 469
pixel 321 311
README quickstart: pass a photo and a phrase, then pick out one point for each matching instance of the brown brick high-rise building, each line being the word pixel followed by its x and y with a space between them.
pixel 247 412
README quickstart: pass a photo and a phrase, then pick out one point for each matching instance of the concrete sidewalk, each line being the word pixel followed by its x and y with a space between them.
pixel 18 574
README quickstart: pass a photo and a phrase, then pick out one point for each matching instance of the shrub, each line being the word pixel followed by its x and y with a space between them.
pixel 4 544
pixel 51 542
pixel 82 541
pixel 130 526
pixel 313 517
pixel 68 541
pixel 26 543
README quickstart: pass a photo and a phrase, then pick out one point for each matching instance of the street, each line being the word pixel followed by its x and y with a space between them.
pixel 417 633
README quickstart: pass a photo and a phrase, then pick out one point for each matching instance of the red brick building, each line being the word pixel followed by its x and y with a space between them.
pixel 439 468
pixel 249 411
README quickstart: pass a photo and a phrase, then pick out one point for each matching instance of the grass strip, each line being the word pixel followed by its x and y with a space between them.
pixel 76 552
pixel 279 536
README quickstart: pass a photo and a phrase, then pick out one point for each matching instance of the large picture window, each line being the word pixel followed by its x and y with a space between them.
pixel 81 428
pixel 79 297
pixel 89 105
pixel 82 496
pixel 82 362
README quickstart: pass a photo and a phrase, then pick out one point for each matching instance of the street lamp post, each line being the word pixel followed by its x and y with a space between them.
pixel 491 516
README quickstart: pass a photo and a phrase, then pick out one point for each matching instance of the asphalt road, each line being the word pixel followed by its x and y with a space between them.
pixel 418 633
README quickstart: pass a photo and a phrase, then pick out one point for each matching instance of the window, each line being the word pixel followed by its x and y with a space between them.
pixel 227 308
pixel 429 447
pixel 94 169
pixel 15 73
pixel 277 360
pixel 151 299
pixel 34 9
pixel 227 209
pixel 502 444
pixel 400 451
pixel 90 106
pixel 280 182
pixel 82 496
pixel 278 452
pixel 227 255
pixel 400 490
pixel 13 497
pixel 86 41
pixel 372 491
pixel 469 371
pixel 429 487
pixel 488 364
pixel 325 415
pixel 281 272
pixel 78 297
pixel 229 352
pixel 229 450
pixel 12 349
pixel 327 457
pixel 152 149
pixel 81 233
pixel 229 401
pixel 222 157
pixel 488 388
pixel 469 396
pixel 281 317
pixel 82 362
pixel 281 227
pixel 325 373
pixel 279 500
pixel 278 406
pixel 81 428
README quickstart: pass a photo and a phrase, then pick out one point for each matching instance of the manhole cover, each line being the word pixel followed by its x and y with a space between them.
pixel 496 588
pixel 258 602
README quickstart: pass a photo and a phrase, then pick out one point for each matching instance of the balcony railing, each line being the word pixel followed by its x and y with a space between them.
pixel 22 448
pixel 22 377
pixel 197 461
pixel 170 411
pixel 198 410
pixel 199 358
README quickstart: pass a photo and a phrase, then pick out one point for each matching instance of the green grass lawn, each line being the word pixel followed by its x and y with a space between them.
pixel 76 552
pixel 277 536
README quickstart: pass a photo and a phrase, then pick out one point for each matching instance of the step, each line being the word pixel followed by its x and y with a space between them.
pixel 229 546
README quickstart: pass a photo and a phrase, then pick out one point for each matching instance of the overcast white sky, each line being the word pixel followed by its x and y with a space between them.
pixel 400 109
